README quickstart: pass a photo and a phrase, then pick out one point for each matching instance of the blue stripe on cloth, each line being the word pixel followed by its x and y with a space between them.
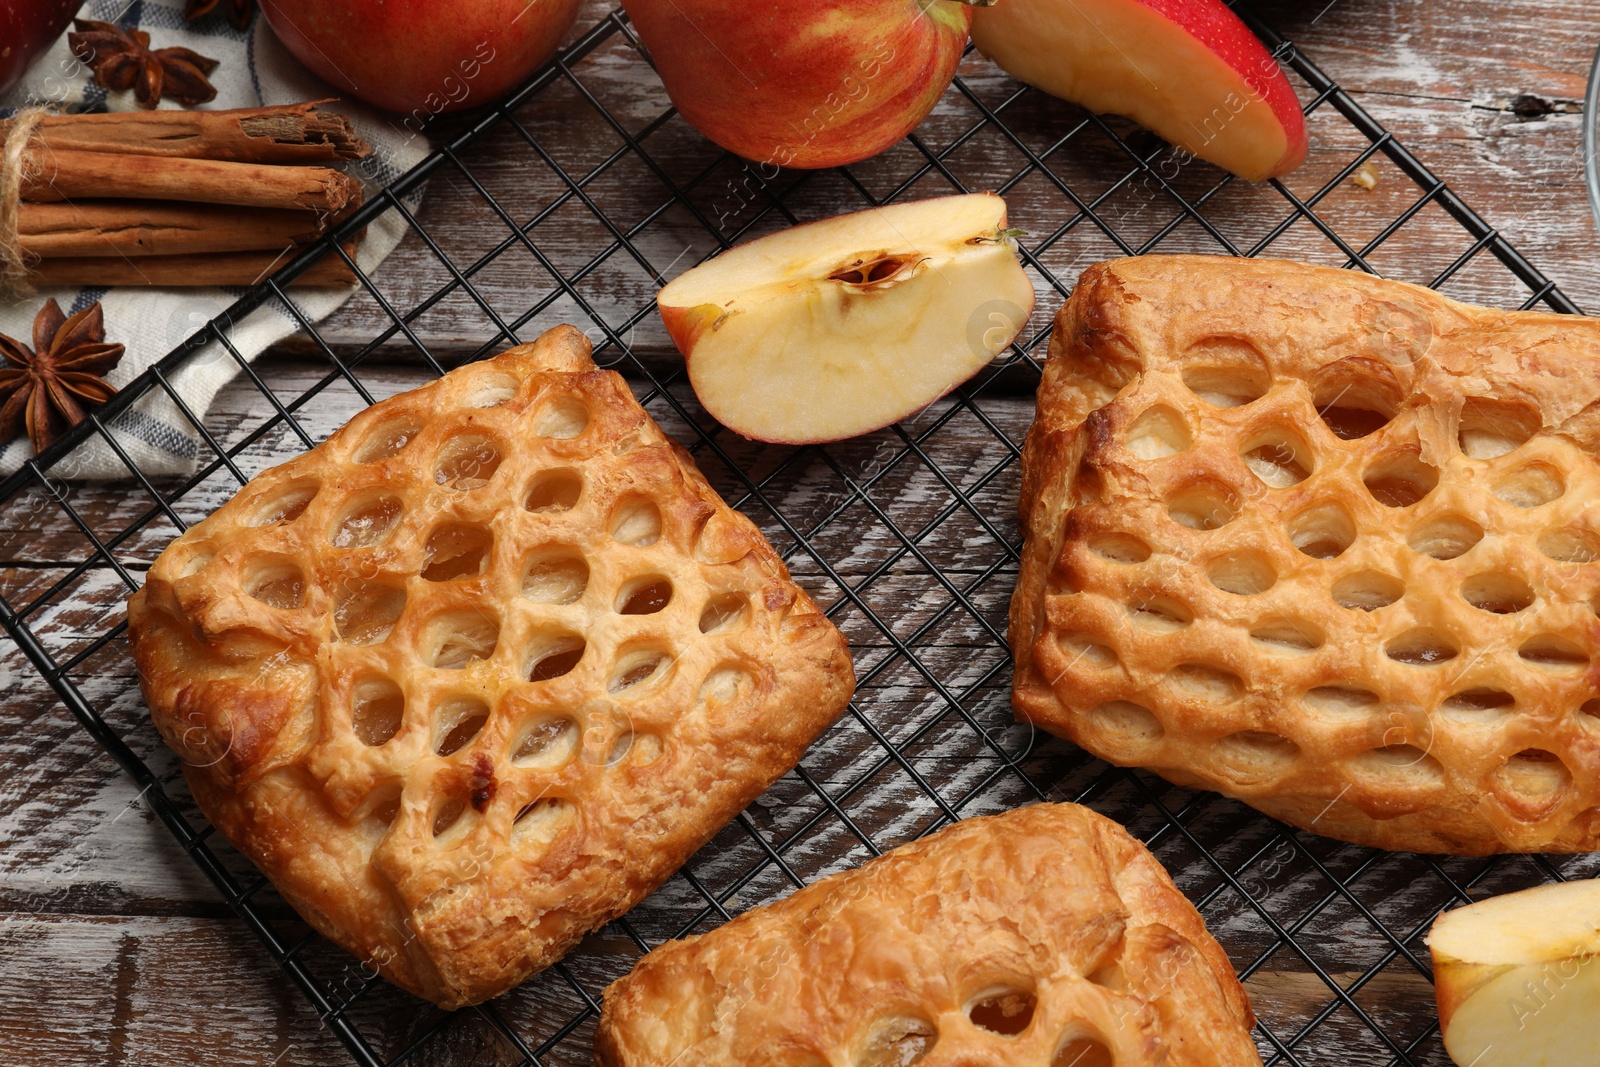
pixel 156 434
pixel 126 15
pixel 161 18
pixel 250 61
pixel 86 297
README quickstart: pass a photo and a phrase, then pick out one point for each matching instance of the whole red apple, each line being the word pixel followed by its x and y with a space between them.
pixel 27 28
pixel 422 56
pixel 819 83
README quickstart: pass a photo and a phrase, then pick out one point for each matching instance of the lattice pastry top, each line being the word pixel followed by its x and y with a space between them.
pixel 1044 937
pixel 478 673
pixel 1325 543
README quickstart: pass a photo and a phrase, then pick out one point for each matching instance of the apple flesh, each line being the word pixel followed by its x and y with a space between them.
pixel 27 28
pixel 839 327
pixel 422 57
pixel 1518 978
pixel 816 84
pixel 1187 69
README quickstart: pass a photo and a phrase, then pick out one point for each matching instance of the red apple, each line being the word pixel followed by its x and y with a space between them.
pixel 27 28
pixel 1187 69
pixel 422 56
pixel 820 83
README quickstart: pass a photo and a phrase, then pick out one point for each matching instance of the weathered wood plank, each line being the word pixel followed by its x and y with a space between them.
pixel 1448 79
pixel 35 529
pixel 121 986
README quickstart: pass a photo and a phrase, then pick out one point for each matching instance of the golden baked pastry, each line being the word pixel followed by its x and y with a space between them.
pixel 479 672
pixel 1324 543
pixel 1044 937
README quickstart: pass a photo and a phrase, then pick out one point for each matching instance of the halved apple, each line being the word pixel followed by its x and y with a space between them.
pixel 839 327
pixel 1518 978
pixel 1187 69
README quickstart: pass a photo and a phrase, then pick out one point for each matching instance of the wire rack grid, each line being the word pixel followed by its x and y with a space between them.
pixel 908 537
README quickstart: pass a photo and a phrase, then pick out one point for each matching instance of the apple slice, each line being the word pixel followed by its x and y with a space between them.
pixel 1187 69
pixel 839 327
pixel 1518 978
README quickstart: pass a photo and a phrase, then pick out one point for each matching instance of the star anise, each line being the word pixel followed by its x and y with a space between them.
pixel 48 388
pixel 122 59
pixel 239 11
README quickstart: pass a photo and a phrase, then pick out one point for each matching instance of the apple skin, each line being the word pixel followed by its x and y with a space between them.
pixel 1230 40
pixel 1188 69
pixel 685 325
pixel 27 28
pixel 422 56
pixel 1455 981
pixel 819 84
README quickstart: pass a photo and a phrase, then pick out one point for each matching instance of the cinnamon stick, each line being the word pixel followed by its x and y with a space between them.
pixel 290 133
pixel 158 228
pixel 228 268
pixel 52 176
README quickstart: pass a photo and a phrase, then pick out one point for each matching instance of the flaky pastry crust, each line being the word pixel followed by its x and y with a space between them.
pixel 479 672
pixel 1322 542
pixel 1042 937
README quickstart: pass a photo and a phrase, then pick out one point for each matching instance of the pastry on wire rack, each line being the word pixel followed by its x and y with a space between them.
pixel 479 672
pixel 1324 543
pixel 1044 937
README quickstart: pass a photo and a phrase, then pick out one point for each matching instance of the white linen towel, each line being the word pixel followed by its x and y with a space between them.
pixel 255 70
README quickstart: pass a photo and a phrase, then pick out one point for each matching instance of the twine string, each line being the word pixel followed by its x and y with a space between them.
pixel 13 161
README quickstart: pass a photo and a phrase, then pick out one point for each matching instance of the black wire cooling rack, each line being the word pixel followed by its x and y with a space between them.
pixel 908 536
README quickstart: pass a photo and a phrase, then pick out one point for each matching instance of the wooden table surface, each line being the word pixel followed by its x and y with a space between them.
pixel 114 949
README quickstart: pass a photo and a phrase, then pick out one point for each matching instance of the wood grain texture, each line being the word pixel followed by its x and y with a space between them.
pixel 141 960
pixel 1485 94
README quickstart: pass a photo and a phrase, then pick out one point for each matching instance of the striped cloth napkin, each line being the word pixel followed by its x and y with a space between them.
pixel 255 70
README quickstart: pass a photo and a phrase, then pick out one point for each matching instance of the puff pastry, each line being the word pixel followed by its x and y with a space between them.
pixel 1044 937
pixel 1324 543
pixel 479 672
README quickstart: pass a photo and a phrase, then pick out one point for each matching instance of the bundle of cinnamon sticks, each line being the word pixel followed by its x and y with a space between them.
pixel 184 198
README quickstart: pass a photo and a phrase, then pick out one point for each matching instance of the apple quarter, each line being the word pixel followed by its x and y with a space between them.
pixel 839 327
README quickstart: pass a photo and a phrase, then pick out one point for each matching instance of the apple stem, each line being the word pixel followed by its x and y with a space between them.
pixel 1007 236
